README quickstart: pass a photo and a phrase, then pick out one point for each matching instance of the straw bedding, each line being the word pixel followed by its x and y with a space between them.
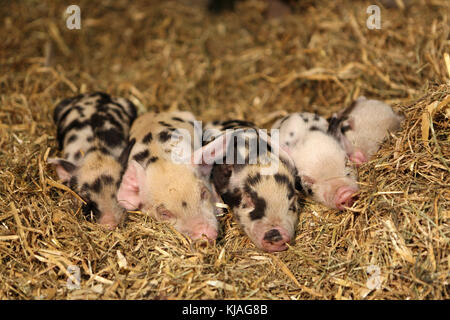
pixel 166 55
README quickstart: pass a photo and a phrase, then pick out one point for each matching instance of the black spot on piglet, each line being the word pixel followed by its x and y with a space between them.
pixel 67 165
pixel 220 177
pixel 272 236
pixel 90 209
pixel 253 180
pixel 107 179
pixel 298 184
pixel 284 179
pixel 344 129
pixel 148 138
pixel 73 182
pixel 112 137
pixel 141 156
pixel 165 124
pixel 72 138
pixel 96 185
pixel 152 160
pixel 77 155
pixel 164 136
pixel 260 207
pixel 232 199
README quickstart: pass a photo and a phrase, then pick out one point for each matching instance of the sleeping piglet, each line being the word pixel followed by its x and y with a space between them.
pixel 259 187
pixel 92 131
pixel 363 126
pixel 171 191
pixel 319 159
pixel 323 170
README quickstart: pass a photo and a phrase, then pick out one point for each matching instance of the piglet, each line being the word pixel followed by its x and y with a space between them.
pixel 322 167
pixel 362 127
pixel 294 127
pixel 157 181
pixel 259 187
pixel 92 131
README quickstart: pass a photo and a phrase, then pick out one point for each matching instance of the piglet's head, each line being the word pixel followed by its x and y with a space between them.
pixel 345 133
pixel 171 192
pixel 336 193
pixel 96 185
pixel 325 172
pixel 263 203
pixel 268 212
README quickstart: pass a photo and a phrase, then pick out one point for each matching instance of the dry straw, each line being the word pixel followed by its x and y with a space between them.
pixel 172 55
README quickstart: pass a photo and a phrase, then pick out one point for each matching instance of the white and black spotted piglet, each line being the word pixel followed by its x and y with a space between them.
pixel 362 127
pixel 92 131
pixel 263 200
pixel 169 190
pixel 320 161
pixel 294 127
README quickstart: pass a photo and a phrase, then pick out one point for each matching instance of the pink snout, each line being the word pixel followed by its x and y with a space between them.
pixel 344 197
pixel 275 239
pixel 204 232
pixel 108 221
pixel 358 157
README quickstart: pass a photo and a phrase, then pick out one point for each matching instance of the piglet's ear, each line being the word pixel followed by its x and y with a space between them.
pixel 65 169
pixel 130 188
pixel 204 158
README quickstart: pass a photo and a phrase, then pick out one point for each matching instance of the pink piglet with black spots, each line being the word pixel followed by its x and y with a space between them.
pixel 92 131
pixel 258 187
pixel 362 127
pixel 156 182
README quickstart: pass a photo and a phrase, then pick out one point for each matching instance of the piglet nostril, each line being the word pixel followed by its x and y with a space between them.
pixel 206 234
pixel 272 236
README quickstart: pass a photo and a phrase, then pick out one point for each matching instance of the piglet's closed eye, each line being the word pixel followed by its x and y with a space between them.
pixel 128 195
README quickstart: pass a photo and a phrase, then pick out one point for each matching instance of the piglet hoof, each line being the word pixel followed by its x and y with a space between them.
pixel 275 240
